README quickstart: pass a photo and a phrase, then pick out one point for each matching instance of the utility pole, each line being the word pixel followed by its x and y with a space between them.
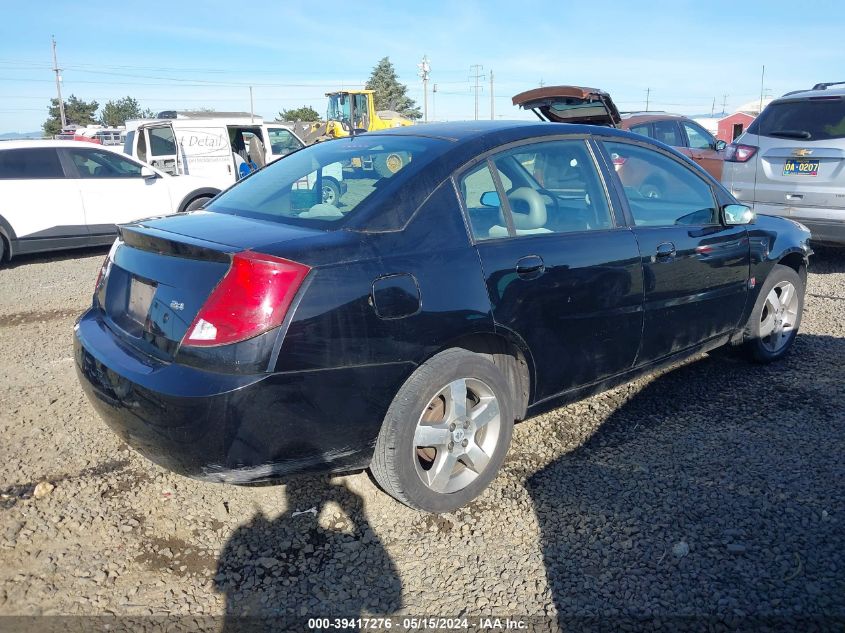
pixel 542 83
pixel 762 79
pixel 713 108
pixel 724 103
pixel 492 106
pixel 434 102
pixel 424 72
pixel 647 96
pixel 251 107
pixel 58 71
pixel 477 76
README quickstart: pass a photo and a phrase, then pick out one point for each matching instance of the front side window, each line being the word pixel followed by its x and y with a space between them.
pixel 282 142
pixel 327 182
pixel 92 163
pixel 162 142
pixel 660 190
pixel 25 163
pixel 818 119
pixel 549 187
pixel 667 132
pixel 698 137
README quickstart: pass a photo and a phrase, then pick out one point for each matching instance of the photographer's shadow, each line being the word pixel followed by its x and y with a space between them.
pixel 277 573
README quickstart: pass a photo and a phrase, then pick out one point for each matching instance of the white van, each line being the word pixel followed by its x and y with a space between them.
pixel 221 146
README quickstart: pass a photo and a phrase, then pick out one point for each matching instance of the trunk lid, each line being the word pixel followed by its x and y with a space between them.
pixel 780 179
pixel 162 271
pixel 570 104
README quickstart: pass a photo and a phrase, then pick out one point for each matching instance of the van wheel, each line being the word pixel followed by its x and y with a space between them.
pixel 446 433
pixel 197 203
pixel 774 321
pixel 331 192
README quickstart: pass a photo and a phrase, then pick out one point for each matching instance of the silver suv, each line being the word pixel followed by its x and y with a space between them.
pixel 791 161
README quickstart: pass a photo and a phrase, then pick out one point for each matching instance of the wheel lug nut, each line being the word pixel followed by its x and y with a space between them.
pixel 452 426
pixel 466 424
pixel 451 445
pixel 464 443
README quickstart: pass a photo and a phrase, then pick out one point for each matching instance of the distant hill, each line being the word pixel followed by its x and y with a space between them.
pixel 13 136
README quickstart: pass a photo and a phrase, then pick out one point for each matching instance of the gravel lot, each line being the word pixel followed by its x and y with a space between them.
pixel 715 488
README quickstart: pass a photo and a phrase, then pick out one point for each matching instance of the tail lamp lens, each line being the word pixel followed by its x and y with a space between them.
pixel 253 297
pixel 739 153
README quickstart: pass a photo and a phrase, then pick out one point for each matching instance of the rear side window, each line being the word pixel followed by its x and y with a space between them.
pixel 660 190
pixel 815 119
pixel 668 132
pixel 35 163
pixel 698 137
pixel 643 128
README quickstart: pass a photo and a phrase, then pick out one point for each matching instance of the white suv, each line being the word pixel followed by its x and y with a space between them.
pixel 791 161
pixel 68 194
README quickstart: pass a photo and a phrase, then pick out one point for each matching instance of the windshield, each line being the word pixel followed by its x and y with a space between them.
pixel 327 182
pixel 338 108
pixel 817 119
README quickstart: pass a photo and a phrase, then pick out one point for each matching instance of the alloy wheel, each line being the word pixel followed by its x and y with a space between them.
pixel 779 316
pixel 456 435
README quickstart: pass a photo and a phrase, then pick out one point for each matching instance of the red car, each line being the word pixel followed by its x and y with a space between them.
pixel 577 104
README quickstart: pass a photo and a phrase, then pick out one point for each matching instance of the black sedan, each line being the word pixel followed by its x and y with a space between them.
pixel 493 272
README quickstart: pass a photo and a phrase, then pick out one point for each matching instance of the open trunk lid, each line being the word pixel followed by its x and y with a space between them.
pixel 570 104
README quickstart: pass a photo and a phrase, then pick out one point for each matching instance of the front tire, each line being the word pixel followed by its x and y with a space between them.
pixel 446 433
pixel 197 203
pixel 776 317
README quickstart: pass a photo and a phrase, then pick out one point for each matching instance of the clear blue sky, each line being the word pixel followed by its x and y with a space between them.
pixel 180 55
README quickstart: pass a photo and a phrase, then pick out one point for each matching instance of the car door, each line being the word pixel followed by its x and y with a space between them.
pixel 36 199
pixel 702 149
pixel 695 268
pixel 113 188
pixel 281 142
pixel 562 275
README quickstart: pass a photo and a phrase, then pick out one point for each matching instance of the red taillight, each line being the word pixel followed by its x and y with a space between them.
pixel 618 160
pixel 252 297
pixel 739 153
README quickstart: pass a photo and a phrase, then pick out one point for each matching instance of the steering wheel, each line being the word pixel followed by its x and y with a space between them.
pixel 536 216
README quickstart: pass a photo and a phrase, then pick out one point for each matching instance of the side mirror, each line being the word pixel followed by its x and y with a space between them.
pixel 719 145
pixel 148 173
pixel 490 199
pixel 738 214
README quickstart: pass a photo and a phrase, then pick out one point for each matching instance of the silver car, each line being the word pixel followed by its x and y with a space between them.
pixel 791 161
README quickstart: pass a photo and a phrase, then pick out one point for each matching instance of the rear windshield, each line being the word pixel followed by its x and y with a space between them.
pixel 816 119
pixel 323 184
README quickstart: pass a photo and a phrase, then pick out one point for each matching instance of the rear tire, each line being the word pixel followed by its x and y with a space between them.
pixel 776 317
pixel 436 453
pixel 197 203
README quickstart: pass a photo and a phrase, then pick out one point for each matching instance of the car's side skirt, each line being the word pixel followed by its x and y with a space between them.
pixel 579 393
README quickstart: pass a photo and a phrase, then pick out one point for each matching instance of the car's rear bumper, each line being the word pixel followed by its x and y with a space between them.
pixel 233 428
pixel 824 224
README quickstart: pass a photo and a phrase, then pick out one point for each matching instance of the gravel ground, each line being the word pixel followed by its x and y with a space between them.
pixel 714 488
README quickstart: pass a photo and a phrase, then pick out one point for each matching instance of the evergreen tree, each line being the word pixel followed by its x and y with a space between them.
pixel 117 112
pixel 77 112
pixel 305 113
pixel 389 93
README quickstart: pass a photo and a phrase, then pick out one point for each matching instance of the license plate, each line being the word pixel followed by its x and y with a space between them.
pixel 140 297
pixel 797 167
